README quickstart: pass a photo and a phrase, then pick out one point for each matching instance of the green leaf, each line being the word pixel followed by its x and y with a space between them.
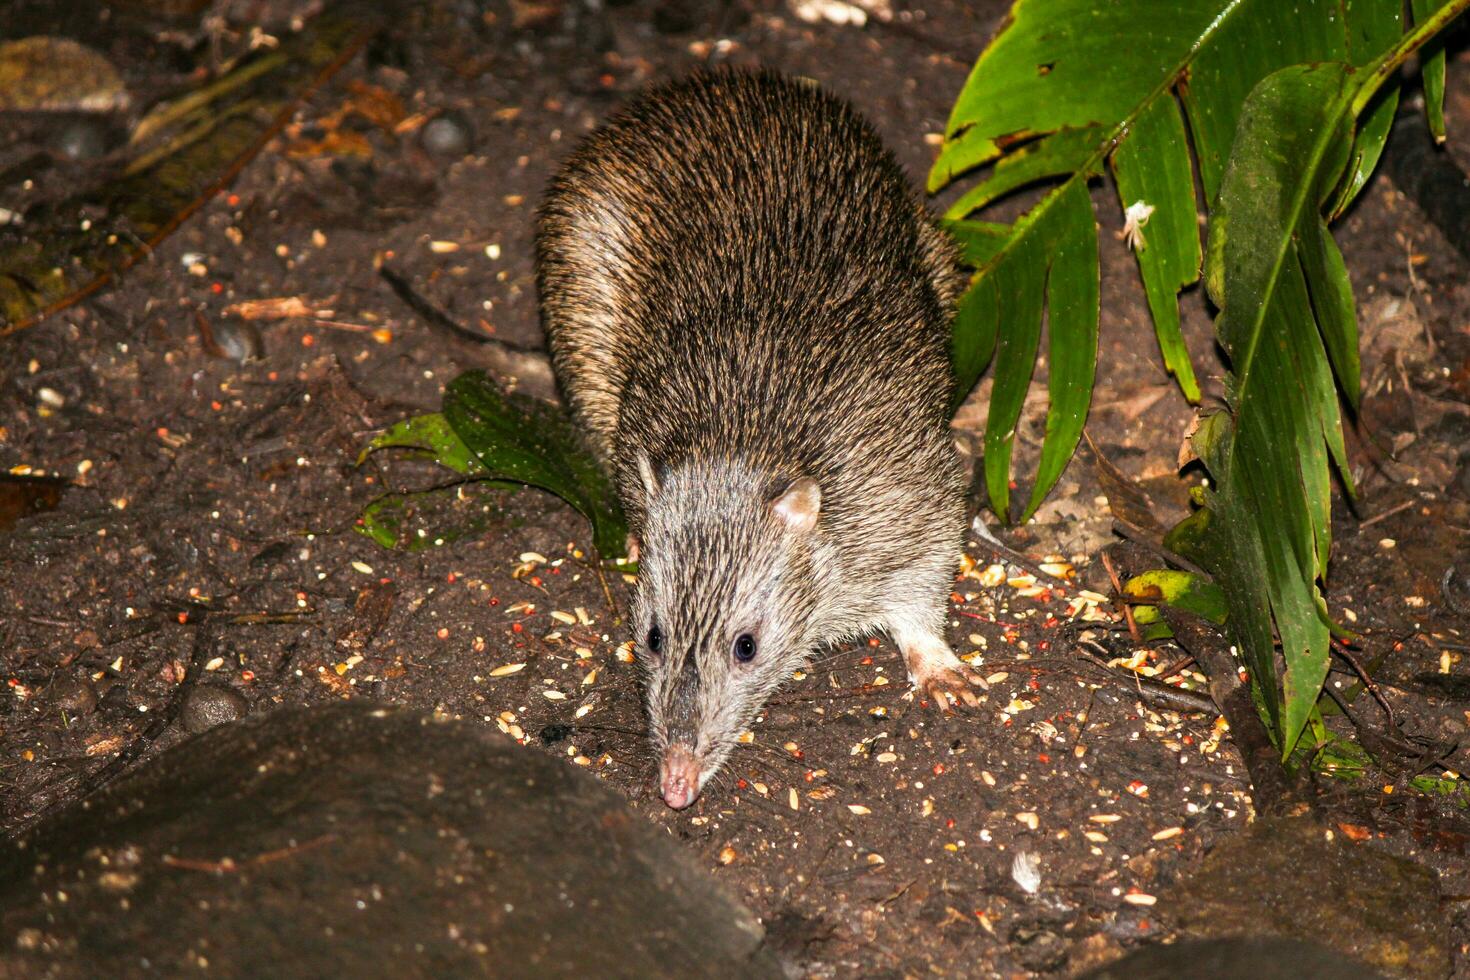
pixel 1252 39
pixel 1016 279
pixel 979 241
pixel 1152 168
pixel 1367 148
pixel 422 519
pixel 1060 154
pixel 431 437
pixel 1182 590
pixel 1273 497
pixel 972 338
pixel 1432 59
pixel 1060 64
pixel 520 439
pixel 1071 315
pixel 1372 28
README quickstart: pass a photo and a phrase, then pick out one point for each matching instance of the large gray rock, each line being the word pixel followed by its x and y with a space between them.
pixel 349 840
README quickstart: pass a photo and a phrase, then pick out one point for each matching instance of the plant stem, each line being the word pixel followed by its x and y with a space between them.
pixel 1392 59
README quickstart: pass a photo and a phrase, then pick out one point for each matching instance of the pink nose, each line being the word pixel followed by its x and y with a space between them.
pixel 679 777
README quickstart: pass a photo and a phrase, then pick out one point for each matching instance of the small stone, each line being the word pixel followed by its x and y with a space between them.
pixel 84 138
pixel 239 340
pixel 208 705
pixel 447 136
pixel 115 702
pixel 73 695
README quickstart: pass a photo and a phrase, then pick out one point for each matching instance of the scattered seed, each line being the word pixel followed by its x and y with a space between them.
pixel 1030 820
pixel 563 617
pixel 1139 898
pixel 1168 832
pixel 505 670
pixel 792 799
pixel 553 695
pixel 363 567
pixel 727 854
pixel 1105 818
pixel 859 809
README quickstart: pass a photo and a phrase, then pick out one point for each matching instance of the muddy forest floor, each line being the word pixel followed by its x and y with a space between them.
pixel 873 836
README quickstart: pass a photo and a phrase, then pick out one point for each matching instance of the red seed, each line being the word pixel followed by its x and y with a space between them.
pixel 516 627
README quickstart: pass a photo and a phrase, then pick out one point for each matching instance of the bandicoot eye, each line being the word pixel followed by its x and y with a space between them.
pixel 655 640
pixel 745 648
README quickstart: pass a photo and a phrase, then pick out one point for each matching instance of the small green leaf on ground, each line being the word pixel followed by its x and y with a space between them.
pixel 520 439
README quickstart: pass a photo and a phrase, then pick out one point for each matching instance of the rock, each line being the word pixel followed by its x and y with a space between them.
pixel 74 695
pixel 1291 878
pixel 85 137
pixel 239 340
pixel 116 703
pixel 353 840
pixel 1234 959
pixel 208 705
pixel 56 74
pixel 447 136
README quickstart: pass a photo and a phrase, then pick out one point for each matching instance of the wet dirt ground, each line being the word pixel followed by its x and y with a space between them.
pixel 873 835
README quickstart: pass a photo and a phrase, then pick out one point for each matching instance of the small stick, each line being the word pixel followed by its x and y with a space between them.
pixel 1342 651
pixel 1400 508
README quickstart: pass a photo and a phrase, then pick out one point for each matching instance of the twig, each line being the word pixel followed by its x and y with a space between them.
pixel 1342 651
pixel 1399 508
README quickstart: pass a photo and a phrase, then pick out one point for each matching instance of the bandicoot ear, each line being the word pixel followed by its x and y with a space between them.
pixel 799 504
pixel 647 475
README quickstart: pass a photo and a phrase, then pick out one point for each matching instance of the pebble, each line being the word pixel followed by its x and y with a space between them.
pixel 73 695
pixel 116 703
pixel 208 705
pixel 448 136
pixel 240 340
pixel 83 138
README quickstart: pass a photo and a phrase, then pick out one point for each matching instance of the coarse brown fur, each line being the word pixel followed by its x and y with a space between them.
pixel 743 295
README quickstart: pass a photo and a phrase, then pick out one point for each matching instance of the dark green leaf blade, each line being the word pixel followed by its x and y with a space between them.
pixel 1292 144
pixel 1060 63
pixel 1072 318
pixel 979 241
pixel 430 435
pixel 1373 26
pixel 1333 303
pixel 1060 154
pixel 972 340
pixel 1367 149
pixel 1019 276
pixel 1152 167
pixel 1258 38
pixel 520 439
pixel 1431 56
